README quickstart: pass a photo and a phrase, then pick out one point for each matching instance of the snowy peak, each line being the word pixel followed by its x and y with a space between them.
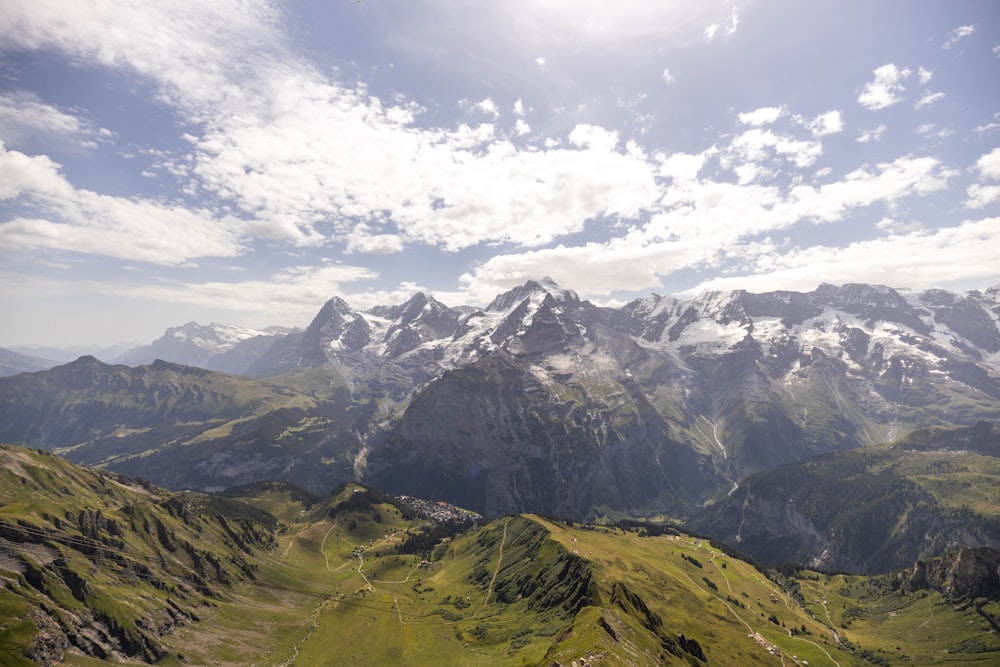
pixel 337 327
pixel 191 344
pixel 546 285
pixel 973 318
pixel 213 337
pixel 420 320
pixel 864 325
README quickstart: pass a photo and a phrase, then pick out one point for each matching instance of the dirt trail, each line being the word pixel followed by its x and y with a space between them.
pixel 489 591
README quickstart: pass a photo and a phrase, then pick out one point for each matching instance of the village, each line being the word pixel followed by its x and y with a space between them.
pixel 439 511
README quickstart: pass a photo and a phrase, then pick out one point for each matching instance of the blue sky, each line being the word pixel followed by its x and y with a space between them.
pixel 244 160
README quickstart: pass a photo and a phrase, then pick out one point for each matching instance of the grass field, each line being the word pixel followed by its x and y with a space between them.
pixel 334 581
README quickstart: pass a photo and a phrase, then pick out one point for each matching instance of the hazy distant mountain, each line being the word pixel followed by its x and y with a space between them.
pixel 66 353
pixel 12 363
pixel 185 427
pixel 193 344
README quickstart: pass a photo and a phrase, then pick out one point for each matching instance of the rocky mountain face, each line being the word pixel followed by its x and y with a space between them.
pixel 869 510
pixel 546 402
pixel 968 574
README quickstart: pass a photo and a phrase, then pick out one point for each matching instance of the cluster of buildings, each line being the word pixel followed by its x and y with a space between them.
pixel 439 511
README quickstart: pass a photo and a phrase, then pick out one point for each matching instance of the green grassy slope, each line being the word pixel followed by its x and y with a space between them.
pixel 186 427
pixel 269 575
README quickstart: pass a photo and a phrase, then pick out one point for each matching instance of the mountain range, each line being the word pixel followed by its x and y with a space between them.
pixel 539 402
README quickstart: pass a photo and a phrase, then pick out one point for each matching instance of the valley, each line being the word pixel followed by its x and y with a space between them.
pixel 270 575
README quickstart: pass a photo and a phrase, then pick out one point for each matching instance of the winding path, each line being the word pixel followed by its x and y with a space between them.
pixel 489 590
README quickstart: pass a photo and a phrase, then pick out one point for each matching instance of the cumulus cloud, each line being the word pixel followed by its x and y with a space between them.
pixel 668 77
pixel 988 165
pixel 884 90
pixel 83 221
pixel 762 116
pixel 256 147
pixel 924 76
pixel 872 135
pixel 362 240
pixel 593 136
pixel 378 175
pixel 917 260
pixel 980 194
pixel 757 144
pixel 702 223
pixel 830 122
pixel 488 106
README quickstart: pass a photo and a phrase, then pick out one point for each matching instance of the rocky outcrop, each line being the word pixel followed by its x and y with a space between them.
pixel 494 438
pixel 968 574
pixel 850 511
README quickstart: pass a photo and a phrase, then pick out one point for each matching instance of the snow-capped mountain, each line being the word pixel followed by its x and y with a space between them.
pixel 194 344
pixel 543 401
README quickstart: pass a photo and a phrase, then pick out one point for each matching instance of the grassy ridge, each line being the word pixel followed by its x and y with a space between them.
pixel 270 575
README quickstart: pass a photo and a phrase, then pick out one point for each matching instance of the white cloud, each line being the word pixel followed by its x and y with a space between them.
pixel 683 167
pixel 884 90
pixel 755 145
pixel 898 227
pixel 979 195
pixel 378 177
pixel 872 135
pixel 256 107
pixel 924 76
pixel 727 29
pixel 668 77
pixel 830 122
pixel 540 61
pixel 988 165
pixel 701 223
pixel 916 260
pixel 927 130
pixel 762 116
pixel 23 114
pixel 593 136
pixel 80 220
pixel 487 106
pixel 958 34
pixel 362 240
pixel 291 294
pixel 928 99
pixel 184 46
